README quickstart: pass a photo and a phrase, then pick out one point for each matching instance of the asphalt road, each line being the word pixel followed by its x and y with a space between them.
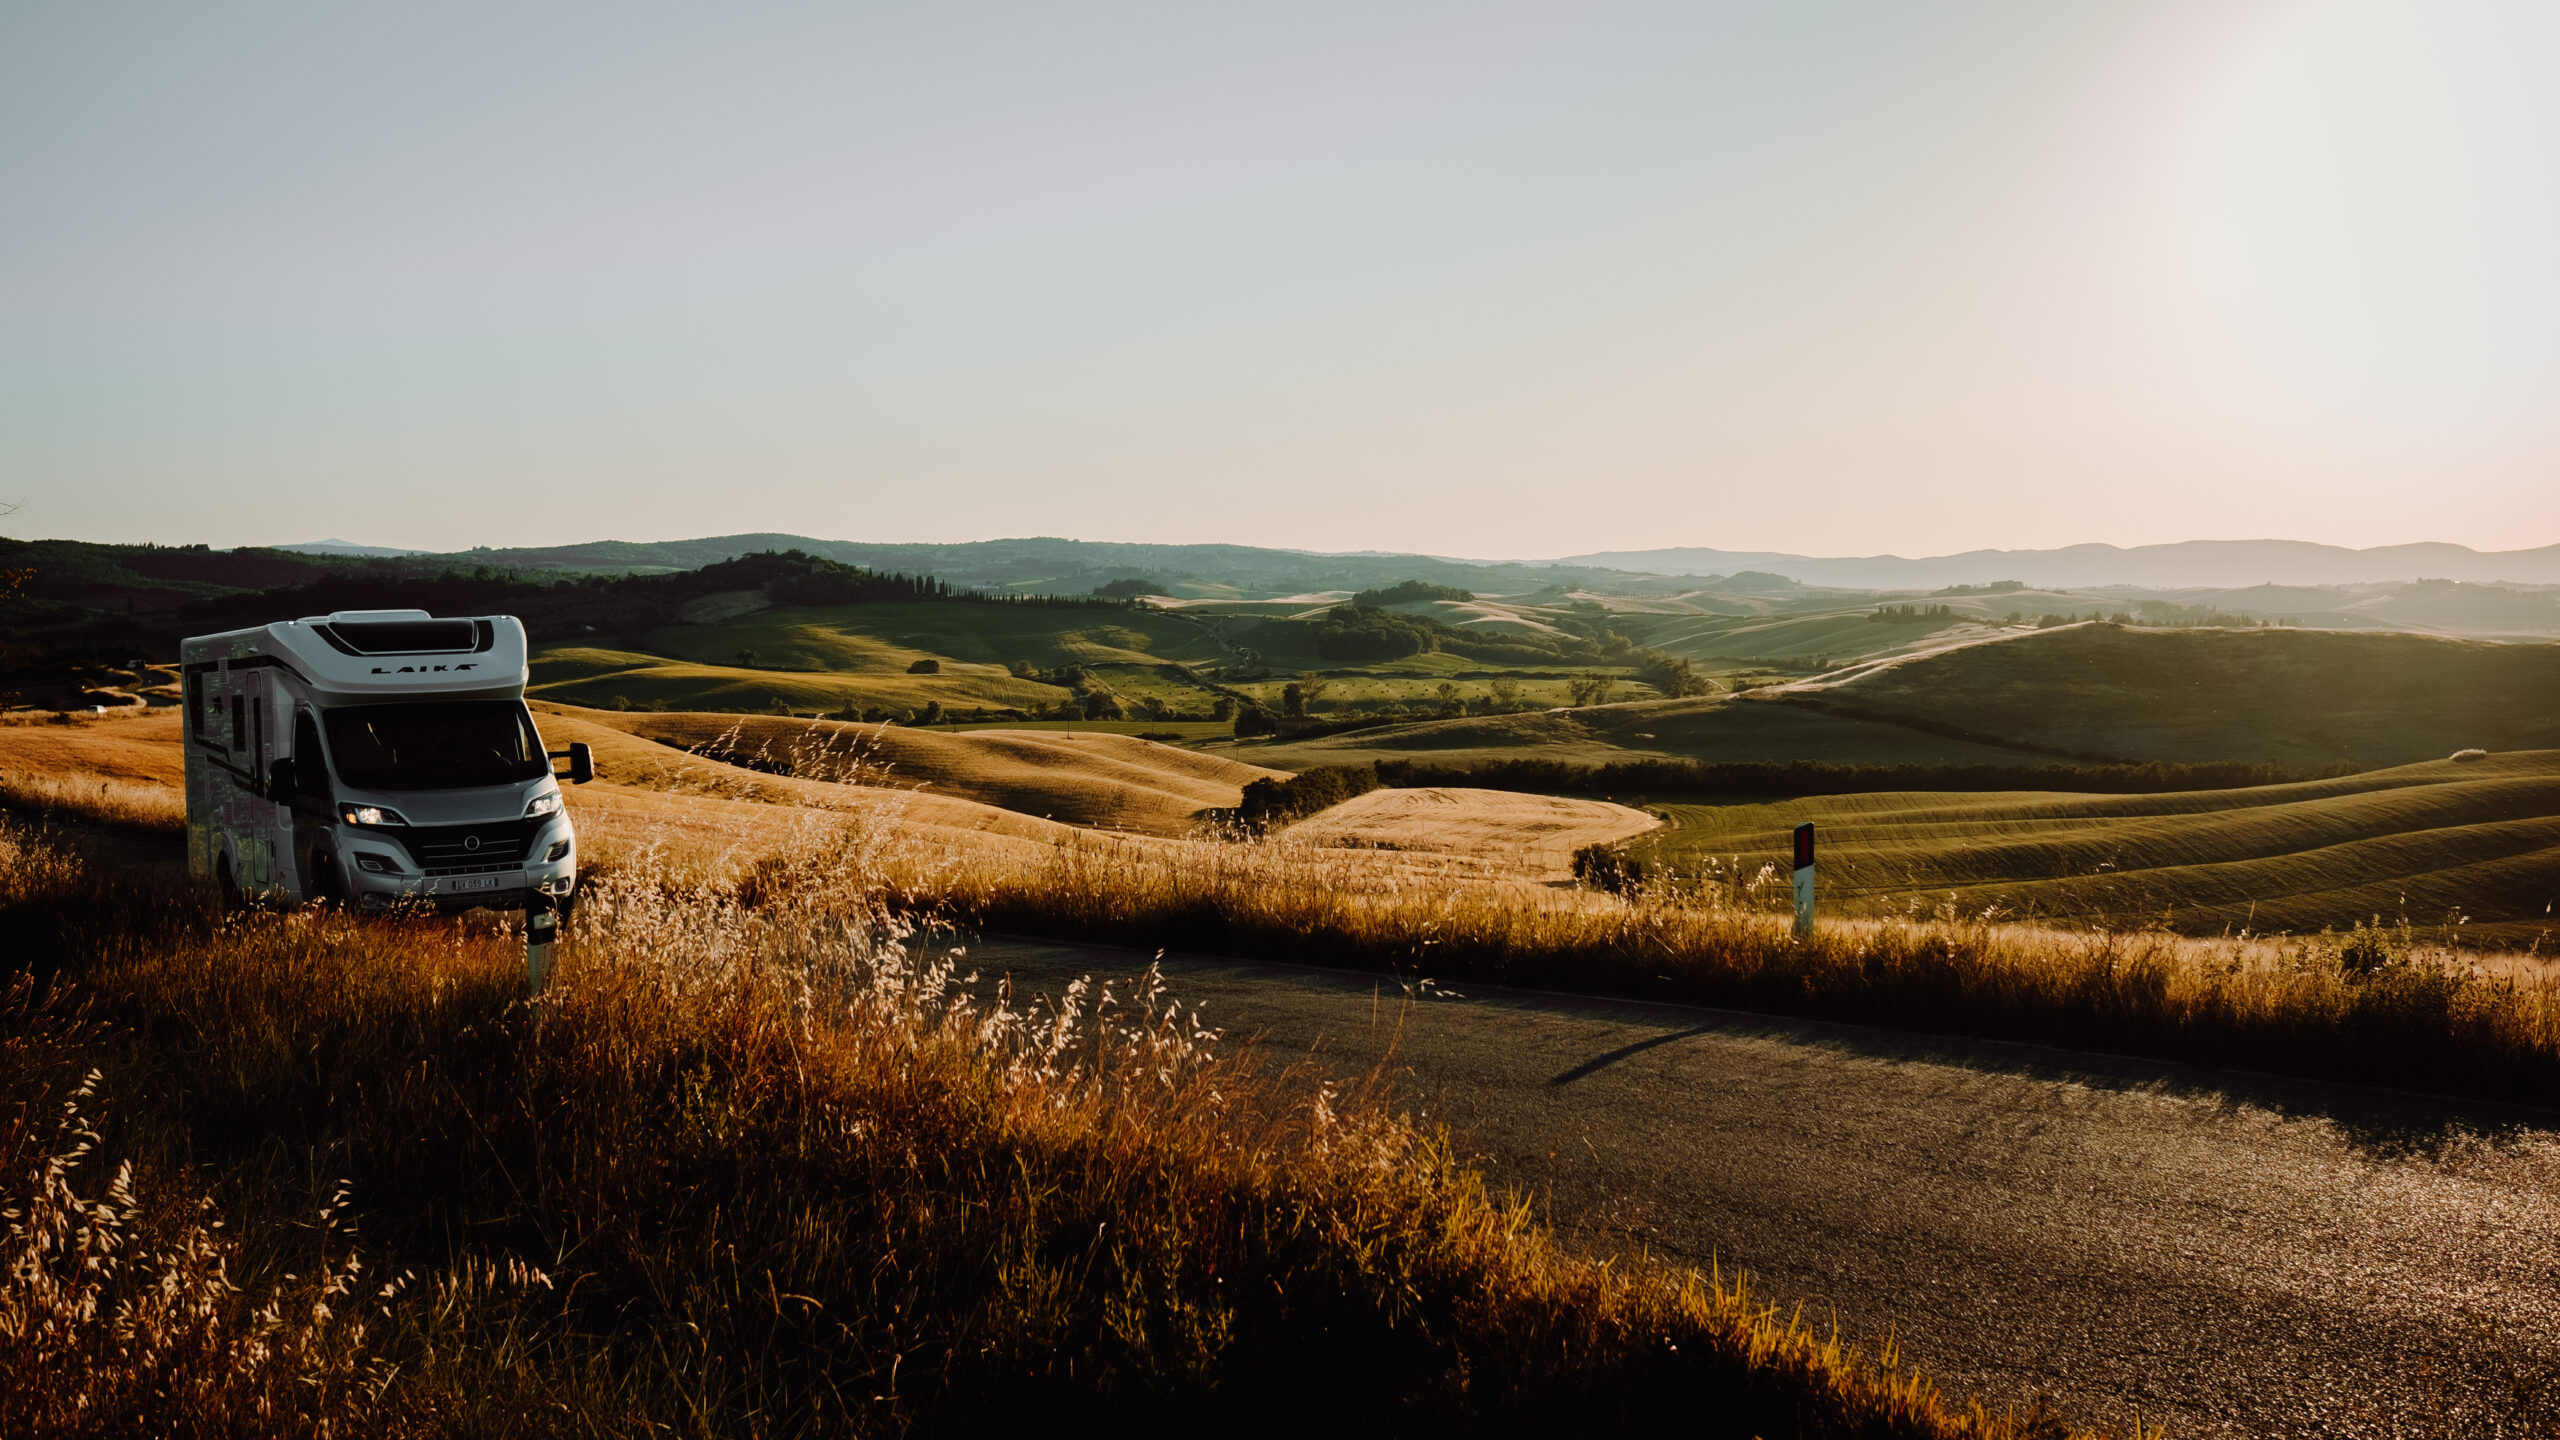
pixel 2225 1253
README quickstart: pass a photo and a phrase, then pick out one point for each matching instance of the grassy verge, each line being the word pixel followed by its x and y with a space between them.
pixel 749 1169
pixel 2378 1007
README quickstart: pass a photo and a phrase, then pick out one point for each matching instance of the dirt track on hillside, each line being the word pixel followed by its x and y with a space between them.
pixel 2234 1255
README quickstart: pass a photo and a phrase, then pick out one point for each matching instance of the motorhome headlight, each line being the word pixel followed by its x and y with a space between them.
pixel 370 815
pixel 544 804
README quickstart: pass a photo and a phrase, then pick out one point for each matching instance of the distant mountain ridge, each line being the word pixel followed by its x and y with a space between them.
pixel 1046 562
pixel 1051 565
pixel 344 547
pixel 2211 564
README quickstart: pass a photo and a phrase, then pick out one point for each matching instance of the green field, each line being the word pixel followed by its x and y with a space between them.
pixel 2479 839
pixel 2302 697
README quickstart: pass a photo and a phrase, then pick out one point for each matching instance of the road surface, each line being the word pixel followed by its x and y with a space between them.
pixel 2225 1253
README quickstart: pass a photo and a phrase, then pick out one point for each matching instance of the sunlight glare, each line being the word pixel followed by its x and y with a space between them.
pixel 2373 214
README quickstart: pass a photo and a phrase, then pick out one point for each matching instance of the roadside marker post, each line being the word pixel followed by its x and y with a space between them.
pixel 1804 879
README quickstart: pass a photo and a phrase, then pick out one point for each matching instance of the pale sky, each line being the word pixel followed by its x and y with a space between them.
pixel 1490 279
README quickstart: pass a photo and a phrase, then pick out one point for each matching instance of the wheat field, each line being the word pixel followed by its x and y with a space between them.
pixel 1501 832
pixel 1105 781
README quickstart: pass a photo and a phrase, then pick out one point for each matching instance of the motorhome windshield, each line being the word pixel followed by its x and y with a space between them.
pixel 435 745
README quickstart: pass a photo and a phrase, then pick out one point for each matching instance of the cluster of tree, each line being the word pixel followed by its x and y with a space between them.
pixel 1671 674
pixel 122 579
pixel 2157 616
pixel 1271 802
pixel 1366 635
pixel 2168 615
pixel 1996 587
pixel 1447 700
pixel 1804 777
pixel 795 577
pixel 1302 692
pixel 1128 587
pixel 1916 614
pixel 2205 619
pixel 1410 592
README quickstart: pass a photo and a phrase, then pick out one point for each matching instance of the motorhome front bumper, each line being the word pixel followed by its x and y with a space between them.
pixel 522 859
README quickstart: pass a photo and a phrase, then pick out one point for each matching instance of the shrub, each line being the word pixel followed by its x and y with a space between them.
pixel 925 667
pixel 1607 867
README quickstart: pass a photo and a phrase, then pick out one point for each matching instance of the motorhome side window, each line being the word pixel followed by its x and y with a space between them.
pixel 239 722
pixel 197 721
pixel 435 745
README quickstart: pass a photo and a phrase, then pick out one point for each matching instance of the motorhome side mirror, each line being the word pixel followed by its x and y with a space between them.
pixel 582 763
pixel 280 781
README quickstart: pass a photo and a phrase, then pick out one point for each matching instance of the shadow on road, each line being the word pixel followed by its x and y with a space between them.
pixel 1602 1062
pixel 2378 1123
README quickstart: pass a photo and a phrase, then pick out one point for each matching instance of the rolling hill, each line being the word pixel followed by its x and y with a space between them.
pixel 1103 781
pixel 1492 832
pixel 599 678
pixel 2303 697
pixel 2222 563
pixel 2478 838
pixel 1715 728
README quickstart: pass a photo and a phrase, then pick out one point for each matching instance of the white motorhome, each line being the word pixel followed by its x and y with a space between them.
pixel 375 757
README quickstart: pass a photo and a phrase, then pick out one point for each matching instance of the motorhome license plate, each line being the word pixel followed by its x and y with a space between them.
pixel 469 882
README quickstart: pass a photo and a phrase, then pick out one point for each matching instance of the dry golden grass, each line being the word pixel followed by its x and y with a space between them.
pixel 126 804
pixel 1114 782
pixel 712 819
pixel 120 769
pixel 1504 832
pixel 133 745
pixel 2380 1007
pixel 749 1167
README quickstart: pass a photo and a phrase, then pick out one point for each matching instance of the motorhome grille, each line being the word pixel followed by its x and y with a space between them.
pixel 497 846
pixel 470 869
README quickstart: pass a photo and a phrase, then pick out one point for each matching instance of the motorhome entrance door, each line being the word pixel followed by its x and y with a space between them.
pixel 259 838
